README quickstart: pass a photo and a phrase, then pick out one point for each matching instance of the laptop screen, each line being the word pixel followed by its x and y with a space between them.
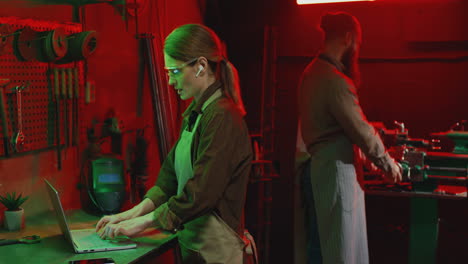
pixel 55 199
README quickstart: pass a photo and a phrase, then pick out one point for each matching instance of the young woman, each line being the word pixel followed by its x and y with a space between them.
pixel 201 187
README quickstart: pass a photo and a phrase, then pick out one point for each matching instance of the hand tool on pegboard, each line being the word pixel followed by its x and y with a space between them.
pixel 23 44
pixel 65 105
pixel 6 143
pixel 6 38
pixel 18 139
pixel 57 117
pixel 90 92
pixel 70 105
pixel 76 107
pixel 87 92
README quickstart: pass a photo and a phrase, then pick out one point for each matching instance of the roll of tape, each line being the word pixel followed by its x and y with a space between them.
pixel 80 46
pixel 24 44
pixel 58 42
pixel 51 45
pixel 42 51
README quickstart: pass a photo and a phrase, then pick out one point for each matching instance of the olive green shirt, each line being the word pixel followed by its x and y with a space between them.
pixel 221 159
pixel 329 109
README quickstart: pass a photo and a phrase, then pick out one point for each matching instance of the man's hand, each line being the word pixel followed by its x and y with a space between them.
pixel 395 173
pixel 129 227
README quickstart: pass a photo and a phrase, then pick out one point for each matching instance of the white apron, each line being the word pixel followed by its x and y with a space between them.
pixel 339 204
pixel 206 239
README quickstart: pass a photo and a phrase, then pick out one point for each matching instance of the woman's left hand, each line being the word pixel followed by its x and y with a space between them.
pixel 128 228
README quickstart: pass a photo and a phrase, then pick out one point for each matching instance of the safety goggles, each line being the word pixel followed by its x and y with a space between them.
pixel 176 70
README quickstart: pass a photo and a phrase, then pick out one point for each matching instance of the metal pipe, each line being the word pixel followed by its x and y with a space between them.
pixel 155 84
pixel 447 178
pixel 463 170
pixel 158 110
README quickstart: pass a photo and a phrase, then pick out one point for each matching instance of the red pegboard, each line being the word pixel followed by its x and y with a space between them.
pixel 38 100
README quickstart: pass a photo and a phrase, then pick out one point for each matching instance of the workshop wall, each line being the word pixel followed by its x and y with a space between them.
pixel 113 69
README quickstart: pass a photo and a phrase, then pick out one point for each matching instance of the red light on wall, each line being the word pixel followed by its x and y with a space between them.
pixel 307 2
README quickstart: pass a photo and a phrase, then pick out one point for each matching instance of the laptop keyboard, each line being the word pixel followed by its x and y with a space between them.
pixel 90 239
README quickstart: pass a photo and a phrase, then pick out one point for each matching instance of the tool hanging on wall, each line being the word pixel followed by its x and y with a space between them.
pixel 17 141
pixel 76 84
pixel 90 92
pixel 65 104
pixel 80 46
pixel 57 117
pixel 51 45
pixel 6 38
pixel 3 116
pixel 70 106
pixel 23 44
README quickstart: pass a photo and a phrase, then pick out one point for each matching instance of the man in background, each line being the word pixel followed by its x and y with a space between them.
pixel 332 123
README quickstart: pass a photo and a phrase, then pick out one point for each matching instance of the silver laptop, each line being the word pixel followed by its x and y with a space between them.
pixel 83 240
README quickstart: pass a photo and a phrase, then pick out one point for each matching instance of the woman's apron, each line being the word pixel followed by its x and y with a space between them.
pixel 206 239
pixel 339 204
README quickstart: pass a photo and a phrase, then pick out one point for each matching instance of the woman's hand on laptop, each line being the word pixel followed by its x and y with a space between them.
pixel 128 228
pixel 142 208
pixel 114 219
pixel 108 219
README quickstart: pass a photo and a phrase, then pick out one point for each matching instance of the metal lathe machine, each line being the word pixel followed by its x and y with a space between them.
pixel 433 169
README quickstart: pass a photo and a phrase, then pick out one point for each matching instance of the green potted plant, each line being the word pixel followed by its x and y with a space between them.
pixel 14 215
